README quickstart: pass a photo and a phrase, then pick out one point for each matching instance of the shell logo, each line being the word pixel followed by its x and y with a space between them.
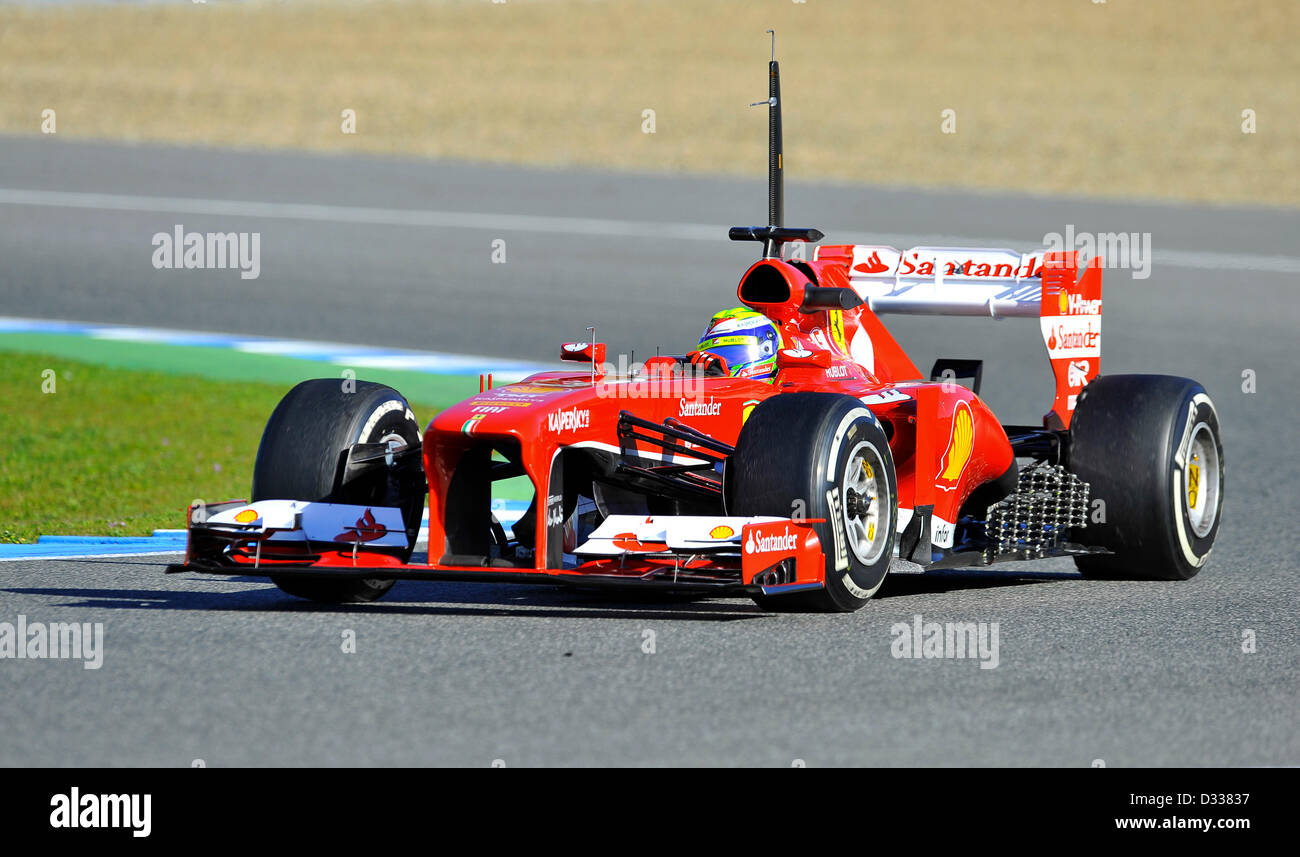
pixel 721 531
pixel 247 516
pixel 960 446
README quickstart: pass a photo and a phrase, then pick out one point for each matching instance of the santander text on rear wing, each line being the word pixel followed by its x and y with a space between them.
pixel 997 283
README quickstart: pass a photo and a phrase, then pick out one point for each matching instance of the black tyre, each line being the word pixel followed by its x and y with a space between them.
pixel 827 452
pixel 302 455
pixel 1149 445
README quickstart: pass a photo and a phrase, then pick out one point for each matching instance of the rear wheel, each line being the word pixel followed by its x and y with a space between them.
pixel 825 456
pixel 1149 446
pixel 302 456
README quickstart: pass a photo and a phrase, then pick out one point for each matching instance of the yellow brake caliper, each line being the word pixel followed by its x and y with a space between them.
pixel 871 527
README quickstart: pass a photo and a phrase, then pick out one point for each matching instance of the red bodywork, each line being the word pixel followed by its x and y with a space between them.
pixel 945 441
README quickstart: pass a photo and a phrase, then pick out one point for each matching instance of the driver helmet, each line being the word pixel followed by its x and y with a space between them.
pixel 746 339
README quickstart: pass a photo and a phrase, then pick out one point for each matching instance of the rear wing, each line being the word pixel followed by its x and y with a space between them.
pixel 996 283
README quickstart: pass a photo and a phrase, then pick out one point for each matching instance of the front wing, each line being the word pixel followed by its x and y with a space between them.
pixel 722 555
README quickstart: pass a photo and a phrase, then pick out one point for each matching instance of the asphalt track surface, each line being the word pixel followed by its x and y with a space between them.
pixel 367 250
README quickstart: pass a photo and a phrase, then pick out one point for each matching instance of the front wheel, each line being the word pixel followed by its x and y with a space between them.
pixel 1149 446
pixel 301 457
pixel 821 455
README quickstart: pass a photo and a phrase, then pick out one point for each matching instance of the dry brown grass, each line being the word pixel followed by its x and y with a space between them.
pixel 1123 98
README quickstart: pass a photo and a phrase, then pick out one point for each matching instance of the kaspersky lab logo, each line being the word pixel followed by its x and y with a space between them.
pixel 568 420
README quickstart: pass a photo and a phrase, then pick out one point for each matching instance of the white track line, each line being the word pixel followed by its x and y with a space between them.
pixel 354 356
pixel 560 225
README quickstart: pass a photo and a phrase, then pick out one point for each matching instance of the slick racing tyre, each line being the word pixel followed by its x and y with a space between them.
pixel 302 454
pixel 823 455
pixel 1149 446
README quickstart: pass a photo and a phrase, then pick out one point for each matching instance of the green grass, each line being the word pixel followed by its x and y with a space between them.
pixel 224 364
pixel 123 451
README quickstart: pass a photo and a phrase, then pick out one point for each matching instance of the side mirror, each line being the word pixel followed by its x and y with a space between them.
pixel 583 352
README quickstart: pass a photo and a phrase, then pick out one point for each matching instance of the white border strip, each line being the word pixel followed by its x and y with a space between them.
pixel 556 224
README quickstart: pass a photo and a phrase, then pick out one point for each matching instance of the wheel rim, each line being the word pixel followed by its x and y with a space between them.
pixel 1201 491
pixel 393 440
pixel 866 503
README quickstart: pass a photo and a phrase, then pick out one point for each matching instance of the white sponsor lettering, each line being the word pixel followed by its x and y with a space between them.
pixel 884 397
pixel 1079 306
pixel 785 542
pixel 569 420
pixel 837 529
pixel 554 511
pixel 709 408
pixel 727 325
pixel 1077 373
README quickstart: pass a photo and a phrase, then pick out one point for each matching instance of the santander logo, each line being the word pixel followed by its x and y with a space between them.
pixel 710 408
pixel 1063 338
pixel 873 265
pixel 570 420
pixel 785 542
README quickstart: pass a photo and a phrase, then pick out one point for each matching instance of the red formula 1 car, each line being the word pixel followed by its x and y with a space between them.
pixel 800 491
